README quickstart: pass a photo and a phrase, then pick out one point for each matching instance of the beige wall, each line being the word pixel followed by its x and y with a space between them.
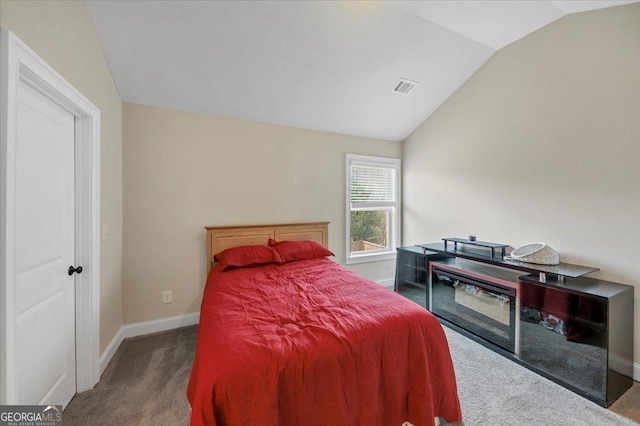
pixel 185 171
pixel 541 144
pixel 62 33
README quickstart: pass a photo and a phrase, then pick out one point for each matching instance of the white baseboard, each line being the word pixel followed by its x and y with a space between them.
pixel 163 324
pixel 110 351
pixel 388 283
pixel 636 372
pixel 142 328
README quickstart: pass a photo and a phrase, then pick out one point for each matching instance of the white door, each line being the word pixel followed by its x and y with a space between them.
pixel 45 357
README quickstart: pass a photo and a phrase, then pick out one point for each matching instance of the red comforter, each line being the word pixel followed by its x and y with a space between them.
pixel 311 343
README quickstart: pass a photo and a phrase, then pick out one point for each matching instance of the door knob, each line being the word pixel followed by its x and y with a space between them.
pixel 77 270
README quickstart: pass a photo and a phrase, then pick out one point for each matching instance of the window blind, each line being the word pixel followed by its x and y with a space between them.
pixel 372 186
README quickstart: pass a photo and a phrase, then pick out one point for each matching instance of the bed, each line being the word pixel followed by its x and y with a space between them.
pixel 302 340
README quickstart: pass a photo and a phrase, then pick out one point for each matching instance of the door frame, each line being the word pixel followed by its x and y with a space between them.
pixel 18 63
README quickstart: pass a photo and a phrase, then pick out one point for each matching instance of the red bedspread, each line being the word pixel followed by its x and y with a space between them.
pixel 311 343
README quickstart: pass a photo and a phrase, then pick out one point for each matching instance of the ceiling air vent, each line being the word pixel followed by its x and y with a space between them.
pixel 404 87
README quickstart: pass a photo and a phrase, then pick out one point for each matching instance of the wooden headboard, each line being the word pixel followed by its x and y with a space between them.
pixel 223 237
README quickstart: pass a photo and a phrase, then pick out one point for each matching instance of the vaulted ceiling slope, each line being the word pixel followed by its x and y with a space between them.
pixel 323 65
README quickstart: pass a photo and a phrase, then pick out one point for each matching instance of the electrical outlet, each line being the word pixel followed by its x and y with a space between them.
pixel 167 296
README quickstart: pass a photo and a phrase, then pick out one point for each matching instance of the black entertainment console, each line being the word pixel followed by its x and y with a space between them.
pixel 574 330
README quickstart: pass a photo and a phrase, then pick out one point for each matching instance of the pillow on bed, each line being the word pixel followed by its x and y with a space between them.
pixel 296 250
pixel 247 256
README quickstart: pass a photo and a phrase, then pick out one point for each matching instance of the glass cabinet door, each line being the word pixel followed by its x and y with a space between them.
pixel 564 334
pixel 482 308
pixel 411 276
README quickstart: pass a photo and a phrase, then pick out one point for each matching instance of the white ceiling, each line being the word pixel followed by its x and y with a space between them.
pixel 323 65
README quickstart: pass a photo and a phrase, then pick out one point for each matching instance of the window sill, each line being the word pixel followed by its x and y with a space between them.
pixel 370 258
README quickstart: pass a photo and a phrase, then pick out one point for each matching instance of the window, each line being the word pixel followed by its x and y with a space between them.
pixel 373 204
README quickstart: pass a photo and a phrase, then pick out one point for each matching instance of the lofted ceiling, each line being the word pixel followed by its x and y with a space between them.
pixel 322 65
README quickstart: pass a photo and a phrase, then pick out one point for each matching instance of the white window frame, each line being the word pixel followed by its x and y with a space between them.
pixel 393 224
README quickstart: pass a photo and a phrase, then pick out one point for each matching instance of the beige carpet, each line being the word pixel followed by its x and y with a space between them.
pixel 145 384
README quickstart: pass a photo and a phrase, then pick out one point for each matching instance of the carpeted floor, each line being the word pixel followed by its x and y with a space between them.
pixel 145 384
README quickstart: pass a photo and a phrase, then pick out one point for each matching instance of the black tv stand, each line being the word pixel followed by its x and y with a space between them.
pixel 574 330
